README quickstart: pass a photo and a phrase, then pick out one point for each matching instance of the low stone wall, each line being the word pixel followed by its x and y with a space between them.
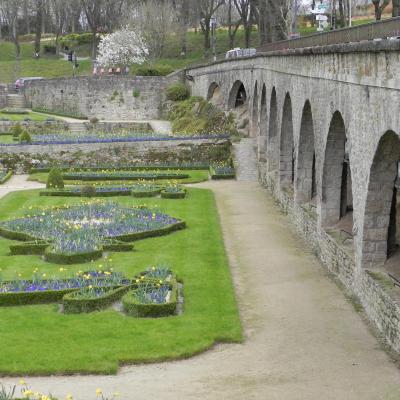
pixel 3 96
pixel 114 97
pixel 118 127
pixel 22 157
pixel 373 290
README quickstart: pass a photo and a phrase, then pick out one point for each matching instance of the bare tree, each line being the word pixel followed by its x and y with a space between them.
pixel 205 10
pixel 59 13
pixel 39 8
pixel 10 10
pixel 93 10
pixel 156 21
pixel 379 6
pixel 244 9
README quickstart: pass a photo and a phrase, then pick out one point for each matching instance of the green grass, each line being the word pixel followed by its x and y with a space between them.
pixel 20 117
pixel 39 340
pixel 6 139
pixel 195 176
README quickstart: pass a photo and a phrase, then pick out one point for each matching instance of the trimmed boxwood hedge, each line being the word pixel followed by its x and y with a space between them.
pixel 215 176
pixel 130 237
pixel 150 193
pixel 37 297
pixel 78 258
pixel 6 177
pixel 69 193
pixel 116 245
pixel 136 309
pixel 173 195
pixel 13 235
pixel 76 305
pixel 29 248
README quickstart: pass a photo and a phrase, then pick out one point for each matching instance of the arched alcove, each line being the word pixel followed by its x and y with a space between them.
pixel 336 196
pixel 286 153
pixel 255 113
pixel 380 234
pixel 305 173
pixel 214 91
pixel 237 95
pixel 272 149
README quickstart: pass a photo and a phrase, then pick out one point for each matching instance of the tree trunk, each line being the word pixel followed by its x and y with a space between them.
pixel 94 44
pixel 342 21
pixel 247 34
pixel 206 32
pixel 38 25
pixel 396 8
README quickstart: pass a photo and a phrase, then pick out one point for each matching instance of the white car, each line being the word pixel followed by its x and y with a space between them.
pixel 237 52
pixel 20 83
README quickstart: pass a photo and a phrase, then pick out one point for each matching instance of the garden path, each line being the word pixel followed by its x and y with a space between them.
pixel 19 182
pixel 304 340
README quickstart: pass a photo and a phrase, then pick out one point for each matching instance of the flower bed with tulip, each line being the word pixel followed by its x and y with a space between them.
pixel 121 176
pixel 222 171
pixel 77 233
pixel 173 191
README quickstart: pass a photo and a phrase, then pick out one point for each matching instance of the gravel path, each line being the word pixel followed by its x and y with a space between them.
pixel 245 160
pixel 19 182
pixel 304 340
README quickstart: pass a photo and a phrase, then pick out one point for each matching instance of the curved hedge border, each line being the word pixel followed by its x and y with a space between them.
pixel 173 195
pixel 6 177
pixel 74 305
pixel 116 245
pixel 13 235
pixel 130 237
pixel 69 193
pixel 136 309
pixel 78 258
pixel 37 297
pixel 29 248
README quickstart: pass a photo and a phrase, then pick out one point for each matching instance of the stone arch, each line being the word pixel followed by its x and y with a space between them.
pixel 214 91
pixel 272 148
pixel 379 235
pixel 286 153
pixel 305 171
pixel 255 113
pixel 237 95
pixel 336 196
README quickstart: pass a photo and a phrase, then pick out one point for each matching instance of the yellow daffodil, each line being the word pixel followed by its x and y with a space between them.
pixel 22 382
pixel 98 392
pixel 68 397
pixel 27 393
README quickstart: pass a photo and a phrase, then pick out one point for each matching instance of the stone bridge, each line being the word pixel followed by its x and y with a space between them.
pixel 327 124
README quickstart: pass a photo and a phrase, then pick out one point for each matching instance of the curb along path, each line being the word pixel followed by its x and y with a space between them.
pixel 303 338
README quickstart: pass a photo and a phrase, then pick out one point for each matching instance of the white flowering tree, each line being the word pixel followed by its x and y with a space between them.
pixel 123 47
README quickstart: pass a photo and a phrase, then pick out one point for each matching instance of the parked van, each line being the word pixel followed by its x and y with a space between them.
pixel 237 52
pixel 21 82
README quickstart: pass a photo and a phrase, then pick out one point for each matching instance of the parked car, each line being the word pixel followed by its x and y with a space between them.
pixel 237 52
pixel 21 82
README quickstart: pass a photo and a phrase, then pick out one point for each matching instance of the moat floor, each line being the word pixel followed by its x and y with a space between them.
pixel 304 340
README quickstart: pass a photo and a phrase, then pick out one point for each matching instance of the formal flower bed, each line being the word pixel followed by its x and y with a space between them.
pixel 222 171
pixel 173 191
pixel 5 176
pixel 145 189
pixel 98 191
pixel 43 289
pixel 153 293
pixel 111 175
pixel 77 232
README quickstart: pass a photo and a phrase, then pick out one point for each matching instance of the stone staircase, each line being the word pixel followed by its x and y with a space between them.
pixel 16 101
pixel 77 128
pixel 245 159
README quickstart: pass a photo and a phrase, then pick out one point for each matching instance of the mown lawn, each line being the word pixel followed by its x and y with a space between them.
pixel 195 176
pixel 21 117
pixel 39 340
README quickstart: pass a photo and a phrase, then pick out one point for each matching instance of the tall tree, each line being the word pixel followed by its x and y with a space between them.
pixel 93 10
pixel 244 9
pixel 379 6
pixel 59 13
pixel 206 10
pixel 10 10
pixel 39 5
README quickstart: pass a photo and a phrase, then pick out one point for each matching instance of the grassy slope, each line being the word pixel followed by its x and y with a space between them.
pixel 39 340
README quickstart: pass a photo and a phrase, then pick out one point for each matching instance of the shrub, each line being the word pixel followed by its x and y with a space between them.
pixel 94 120
pixel 16 130
pixel 50 49
pixel 88 191
pixel 136 94
pixel 25 137
pixel 177 92
pixel 55 179
pixel 154 70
